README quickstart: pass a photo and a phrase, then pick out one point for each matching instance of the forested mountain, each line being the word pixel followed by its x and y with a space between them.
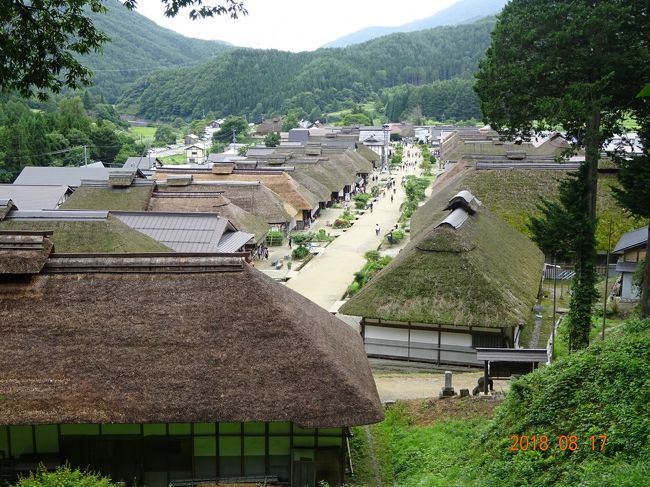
pixel 138 46
pixel 460 12
pixel 265 82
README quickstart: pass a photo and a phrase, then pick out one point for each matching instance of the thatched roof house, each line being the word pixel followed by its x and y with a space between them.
pixel 251 196
pixel 466 280
pixel 165 353
pixel 209 202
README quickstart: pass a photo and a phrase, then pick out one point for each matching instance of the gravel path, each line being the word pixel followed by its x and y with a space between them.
pixel 398 386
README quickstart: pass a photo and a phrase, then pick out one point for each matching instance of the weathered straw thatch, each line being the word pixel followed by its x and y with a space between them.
pixel 210 202
pixel 5 207
pixel 133 198
pixel 24 252
pixel 321 191
pixel 253 197
pixel 280 183
pixel 369 154
pixel 328 172
pixel 361 164
pixel 483 273
pixel 110 235
pixel 134 339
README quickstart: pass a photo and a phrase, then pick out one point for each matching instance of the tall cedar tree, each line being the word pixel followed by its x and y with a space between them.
pixel 576 65
pixel 634 195
pixel 40 41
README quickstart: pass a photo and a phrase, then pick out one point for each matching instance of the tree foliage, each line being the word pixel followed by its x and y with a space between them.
pixel 312 83
pixel 272 139
pixel 41 41
pixel 634 195
pixel 232 126
pixel 577 65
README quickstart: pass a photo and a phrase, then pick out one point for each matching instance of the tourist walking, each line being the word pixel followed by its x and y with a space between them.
pixel 289 241
pixel 377 229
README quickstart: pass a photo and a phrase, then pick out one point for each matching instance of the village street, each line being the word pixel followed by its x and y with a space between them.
pixel 326 277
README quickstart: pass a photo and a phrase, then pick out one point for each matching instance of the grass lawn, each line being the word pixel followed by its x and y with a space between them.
pixel 142 134
pixel 175 159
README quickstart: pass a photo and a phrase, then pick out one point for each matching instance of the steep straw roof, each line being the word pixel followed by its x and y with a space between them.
pixel 483 273
pixel 180 338
pixel 369 154
pixel 280 183
pixel 253 197
pixel 210 202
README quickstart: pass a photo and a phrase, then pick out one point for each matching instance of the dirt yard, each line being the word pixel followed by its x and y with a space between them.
pixel 394 386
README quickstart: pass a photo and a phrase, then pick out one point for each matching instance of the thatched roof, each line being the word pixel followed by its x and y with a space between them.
pixel 362 164
pixel 321 191
pixel 369 154
pixel 473 270
pixel 182 338
pixel 24 252
pixel 109 235
pixel 291 192
pixel 252 197
pixel 211 202
pixel 132 198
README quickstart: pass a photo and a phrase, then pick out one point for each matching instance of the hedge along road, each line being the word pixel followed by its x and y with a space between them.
pixel 325 278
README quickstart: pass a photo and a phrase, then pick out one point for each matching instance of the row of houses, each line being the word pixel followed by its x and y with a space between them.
pixel 138 341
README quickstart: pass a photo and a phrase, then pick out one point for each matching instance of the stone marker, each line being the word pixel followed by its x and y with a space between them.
pixel 448 390
pixel 464 393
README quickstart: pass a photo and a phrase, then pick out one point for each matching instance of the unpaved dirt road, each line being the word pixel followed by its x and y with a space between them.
pixel 394 386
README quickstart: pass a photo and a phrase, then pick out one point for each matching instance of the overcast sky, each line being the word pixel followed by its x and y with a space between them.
pixel 295 25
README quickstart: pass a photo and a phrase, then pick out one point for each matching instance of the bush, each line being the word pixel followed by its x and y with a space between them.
pixel 347 215
pixel 322 236
pixel 64 477
pixel 274 238
pixel 375 191
pixel 361 200
pixel 300 252
pixel 340 223
pixel 303 239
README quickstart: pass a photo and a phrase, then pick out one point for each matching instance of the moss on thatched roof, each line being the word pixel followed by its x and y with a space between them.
pixel 110 235
pixel 208 202
pixel 362 164
pixel 134 198
pixel 123 339
pixel 483 273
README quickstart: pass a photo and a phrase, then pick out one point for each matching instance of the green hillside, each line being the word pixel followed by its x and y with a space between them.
pixel 582 421
pixel 139 46
pixel 265 82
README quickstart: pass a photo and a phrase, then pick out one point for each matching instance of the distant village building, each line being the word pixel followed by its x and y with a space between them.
pixel 631 249
pixel 169 368
pixel 195 154
pixel 191 139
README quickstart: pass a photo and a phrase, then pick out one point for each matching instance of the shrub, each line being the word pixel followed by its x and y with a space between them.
pixel 372 255
pixel 322 236
pixel 361 200
pixel 274 238
pixel 374 192
pixel 300 252
pixel 64 477
pixel 303 239
pixel 339 223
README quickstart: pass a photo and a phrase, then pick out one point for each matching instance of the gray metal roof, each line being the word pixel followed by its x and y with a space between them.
pixel 142 163
pixel 33 197
pixel 186 232
pixel 69 176
pixel 635 238
pixel 512 354
pixel 456 218
pixel 58 215
pixel 233 241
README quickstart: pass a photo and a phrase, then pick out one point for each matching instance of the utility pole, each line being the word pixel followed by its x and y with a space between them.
pixel 85 155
